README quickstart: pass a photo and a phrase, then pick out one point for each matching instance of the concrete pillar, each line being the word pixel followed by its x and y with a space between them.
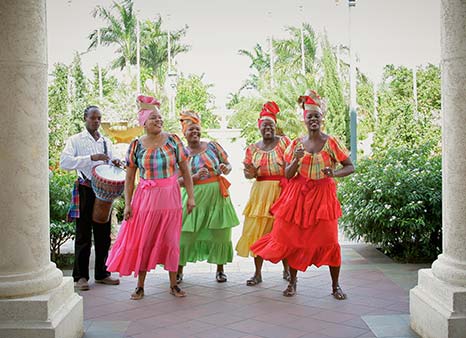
pixel 35 299
pixel 438 303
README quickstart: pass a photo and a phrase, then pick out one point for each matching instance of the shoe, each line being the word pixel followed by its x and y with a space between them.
pixel 290 290
pixel 221 277
pixel 138 293
pixel 254 280
pixel 176 291
pixel 338 293
pixel 108 281
pixel 81 284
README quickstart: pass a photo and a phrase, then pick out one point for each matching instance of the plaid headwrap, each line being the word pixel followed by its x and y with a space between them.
pixel 187 118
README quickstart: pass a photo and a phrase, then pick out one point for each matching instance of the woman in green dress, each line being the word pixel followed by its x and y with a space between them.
pixel 206 232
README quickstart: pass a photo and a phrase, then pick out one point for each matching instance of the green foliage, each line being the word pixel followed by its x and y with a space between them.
pixel 395 202
pixel 193 94
pixel 120 31
pixel 79 93
pixel 109 84
pixel 119 207
pixel 288 51
pixel 331 88
pixel 365 101
pixel 60 186
pixel 59 126
pixel 290 83
pixel 398 123
pixel 289 122
pixel 154 50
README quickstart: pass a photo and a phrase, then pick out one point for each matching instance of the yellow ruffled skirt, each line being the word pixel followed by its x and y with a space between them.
pixel 257 218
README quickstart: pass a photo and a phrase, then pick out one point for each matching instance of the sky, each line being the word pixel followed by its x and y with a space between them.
pixel 400 32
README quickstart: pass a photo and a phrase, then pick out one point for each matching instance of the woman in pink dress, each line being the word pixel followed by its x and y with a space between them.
pixel 150 233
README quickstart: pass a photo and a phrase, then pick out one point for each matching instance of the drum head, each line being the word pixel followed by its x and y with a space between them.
pixel 110 172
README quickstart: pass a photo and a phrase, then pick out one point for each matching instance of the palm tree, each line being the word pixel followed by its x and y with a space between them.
pixel 154 52
pixel 288 51
pixel 120 31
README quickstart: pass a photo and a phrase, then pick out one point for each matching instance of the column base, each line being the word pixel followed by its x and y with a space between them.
pixel 438 309
pixel 57 313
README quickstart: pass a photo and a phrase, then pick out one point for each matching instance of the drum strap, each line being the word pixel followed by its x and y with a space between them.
pixel 105 147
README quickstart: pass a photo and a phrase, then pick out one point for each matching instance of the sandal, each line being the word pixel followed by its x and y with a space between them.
pixel 254 280
pixel 338 293
pixel 290 290
pixel 221 277
pixel 286 275
pixel 138 293
pixel 179 278
pixel 176 291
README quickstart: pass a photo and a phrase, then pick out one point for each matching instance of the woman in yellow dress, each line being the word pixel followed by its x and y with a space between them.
pixel 263 162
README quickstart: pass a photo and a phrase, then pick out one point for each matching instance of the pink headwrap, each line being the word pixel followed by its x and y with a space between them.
pixel 146 105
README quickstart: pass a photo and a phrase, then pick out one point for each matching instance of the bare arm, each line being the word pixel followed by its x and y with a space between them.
pixel 249 171
pixel 346 170
pixel 292 168
pixel 188 184
pixel 129 189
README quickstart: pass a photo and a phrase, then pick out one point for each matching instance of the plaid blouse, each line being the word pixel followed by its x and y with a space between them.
pixel 210 158
pixel 159 162
pixel 271 162
pixel 310 165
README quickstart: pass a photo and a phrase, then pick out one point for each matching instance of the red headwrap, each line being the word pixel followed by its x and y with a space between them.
pixel 310 101
pixel 146 105
pixel 269 112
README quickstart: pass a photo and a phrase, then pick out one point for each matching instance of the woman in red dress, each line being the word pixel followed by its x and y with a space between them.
pixel 305 231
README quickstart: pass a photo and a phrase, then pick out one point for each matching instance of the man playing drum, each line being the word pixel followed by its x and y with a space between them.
pixel 82 152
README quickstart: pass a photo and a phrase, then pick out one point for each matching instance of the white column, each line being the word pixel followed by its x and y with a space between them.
pixel 35 299
pixel 438 303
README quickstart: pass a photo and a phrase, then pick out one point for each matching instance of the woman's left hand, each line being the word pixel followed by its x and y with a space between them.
pixel 225 168
pixel 327 171
pixel 190 205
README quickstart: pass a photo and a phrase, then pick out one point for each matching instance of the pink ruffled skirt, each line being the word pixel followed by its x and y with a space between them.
pixel 152 235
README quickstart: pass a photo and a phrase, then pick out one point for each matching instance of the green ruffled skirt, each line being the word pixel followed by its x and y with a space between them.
pixel 206 231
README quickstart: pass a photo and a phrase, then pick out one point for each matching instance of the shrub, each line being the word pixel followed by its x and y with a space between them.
pixel 119 207
pixel 60 186
pixel 395 202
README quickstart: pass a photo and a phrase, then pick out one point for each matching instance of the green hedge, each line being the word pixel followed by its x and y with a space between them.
pixel 60 186
pixel 394 201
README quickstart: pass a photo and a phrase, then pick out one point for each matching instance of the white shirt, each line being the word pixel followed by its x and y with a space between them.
pixel 78 151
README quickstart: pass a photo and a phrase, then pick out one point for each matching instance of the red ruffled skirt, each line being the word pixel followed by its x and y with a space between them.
pixel 305 231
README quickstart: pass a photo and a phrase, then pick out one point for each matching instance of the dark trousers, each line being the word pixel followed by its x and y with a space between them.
pixel 83 241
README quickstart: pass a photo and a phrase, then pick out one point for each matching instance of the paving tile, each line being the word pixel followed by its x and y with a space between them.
pixel 220 332
pixel 376 288
pixel 310 325
pixel 276 318
pixel 389 325
pixel 221 319
pixel 343 332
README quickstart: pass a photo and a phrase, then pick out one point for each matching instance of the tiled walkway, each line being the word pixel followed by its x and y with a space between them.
pixel 377 304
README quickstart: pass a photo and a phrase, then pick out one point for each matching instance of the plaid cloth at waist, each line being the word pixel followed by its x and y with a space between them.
pixel 73 211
